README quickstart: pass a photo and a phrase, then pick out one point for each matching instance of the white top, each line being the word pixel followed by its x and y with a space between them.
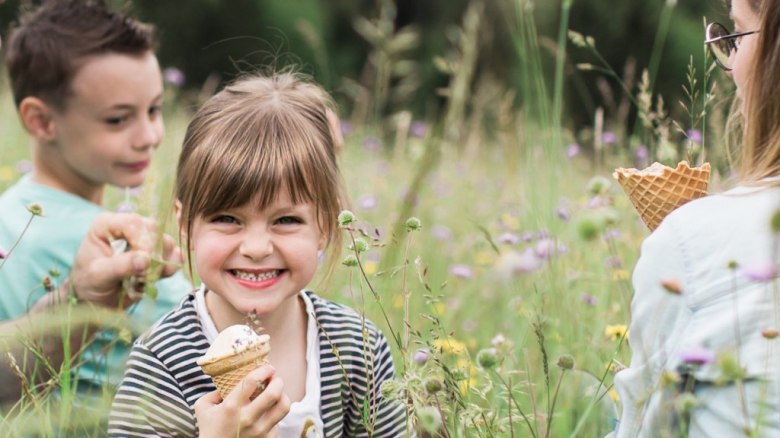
pixel 304 418
pixel 721 309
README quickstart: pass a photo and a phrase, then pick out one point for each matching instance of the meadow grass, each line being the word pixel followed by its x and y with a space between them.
pixel 506 309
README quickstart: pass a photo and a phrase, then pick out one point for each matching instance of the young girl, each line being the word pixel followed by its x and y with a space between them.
pixel 258 194
pixel 705 311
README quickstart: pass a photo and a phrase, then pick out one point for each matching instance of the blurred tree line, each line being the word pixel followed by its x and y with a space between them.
pixel 211 41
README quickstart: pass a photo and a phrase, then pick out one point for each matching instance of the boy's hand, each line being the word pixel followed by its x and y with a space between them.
pixel 98 273
pixel 239 415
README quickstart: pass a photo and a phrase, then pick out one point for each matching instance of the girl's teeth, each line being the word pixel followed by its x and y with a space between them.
pixel 256 277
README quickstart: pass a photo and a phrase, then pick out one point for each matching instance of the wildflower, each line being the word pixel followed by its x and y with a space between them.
pixel 588 299
pixel 391 389
pixel 697 356
pixel 672 286
pixel 547 248
pixel 577 39
pixel 572 150
pixel 527 236
pixel 372 143
pixel 609 137
pixel 125 207
pixel 433 385
pixel 3 253
pixel 730 368
pixel 35 208
pixel 174 76
pixel 359 245
pixel 413 224
pixel 612 234
pixel 429 418
pixel 346 127
pixel 418 129
pixel 421 356
pixel 613 262
pixel 487 358
pixel 499 341
pixel 642 154
pixel 508 238
pixel 598 201
pixel 775 222
pixel 589 228
pixel 770 333
pixel 449 345
pixel 367 202
pixel 563 214
pixel 565 362
pixel 620 275
pixel 346 217
pixel 512 263
pixel 760 272
pixel 616 331
pixel 694 135
pixel 461 271
pixel 670 378
pixel 370 267
pixel 686 402
pixel 24 166
pixel 350 260
pixel 441 232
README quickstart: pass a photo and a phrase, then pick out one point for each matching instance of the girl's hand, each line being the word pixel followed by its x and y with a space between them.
pixel 239 415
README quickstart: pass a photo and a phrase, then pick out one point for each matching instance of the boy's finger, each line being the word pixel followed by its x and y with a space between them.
pixel 137 230
pixel 171 254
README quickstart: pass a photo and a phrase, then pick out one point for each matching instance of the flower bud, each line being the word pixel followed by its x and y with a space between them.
pixel 35 208
pixel 413 224
pixel 350 261
pixel 672 286
pixel 433 385
pixel 770 333
pixel 565 362
pixel 346 217
pixel 421 356
pixel 487 358
pixel 359 245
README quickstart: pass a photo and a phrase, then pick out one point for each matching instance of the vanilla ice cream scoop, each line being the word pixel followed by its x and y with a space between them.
pixel 235 352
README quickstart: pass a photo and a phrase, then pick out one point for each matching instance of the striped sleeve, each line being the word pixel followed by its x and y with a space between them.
pixel 149 401
pixel 388 416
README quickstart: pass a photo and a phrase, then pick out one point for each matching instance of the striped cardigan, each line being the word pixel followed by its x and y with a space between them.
pixel 163 381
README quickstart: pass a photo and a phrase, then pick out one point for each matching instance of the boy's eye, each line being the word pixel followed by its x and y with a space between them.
pixel 115 120
pixel 155 110
pixel 288 220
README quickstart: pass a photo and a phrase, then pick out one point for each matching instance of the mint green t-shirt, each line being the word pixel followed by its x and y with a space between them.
pixel 48 247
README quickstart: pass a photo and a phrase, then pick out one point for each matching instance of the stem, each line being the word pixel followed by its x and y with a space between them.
pixel 517 405
pixel 555 398
pixel 19 239
pixel 559 63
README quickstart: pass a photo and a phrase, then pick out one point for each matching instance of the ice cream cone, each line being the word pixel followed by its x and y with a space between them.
pixel 228 370
pixel 658 190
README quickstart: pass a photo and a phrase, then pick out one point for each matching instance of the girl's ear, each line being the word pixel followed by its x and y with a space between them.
pixel 37 118
pixel 323 242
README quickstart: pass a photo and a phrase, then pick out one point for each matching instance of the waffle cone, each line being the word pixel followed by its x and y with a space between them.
pixel 228 371
pixel 656 194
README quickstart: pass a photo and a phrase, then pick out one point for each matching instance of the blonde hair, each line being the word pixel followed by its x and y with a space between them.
pixel 761 139
pixel 257 137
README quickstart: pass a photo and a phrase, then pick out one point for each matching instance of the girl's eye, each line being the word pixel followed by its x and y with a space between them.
pixel 224 219
pixel 289 220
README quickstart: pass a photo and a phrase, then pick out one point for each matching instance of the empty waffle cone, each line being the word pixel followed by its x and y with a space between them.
pixel 229 370
pixel 658 190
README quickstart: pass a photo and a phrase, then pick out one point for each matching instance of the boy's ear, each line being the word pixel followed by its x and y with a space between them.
pixel 177 212
pixel 37 118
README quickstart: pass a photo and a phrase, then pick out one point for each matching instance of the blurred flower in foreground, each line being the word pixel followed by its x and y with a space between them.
pixel 441 232
pixel 588 299
pixel 642 154
pixel 449 345
pixel 461 271
pixel 572 150
pixel 346 128
pixel 367 202
pixel 609 137
pixel 3 253
pixel 697 356
pixel 760 272
pixel 125 207
pixel 616 331
pixel 598 185
pixel 418 129
pixel 512 263
pixel 174 76
pixel 24 166
pixel 421 356
pixel 563 214
pixel 372 143
pixel 508 238
pixel 694 135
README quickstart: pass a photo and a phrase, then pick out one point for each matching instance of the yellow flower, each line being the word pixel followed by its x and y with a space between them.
pixel 398 301
pixel 613 395
pixel 7 174
pixel 370 267
pixel 484 258
pixel 615 332
pixel 510 221
pixel 439 309
pixel 449 345
pixel 620 275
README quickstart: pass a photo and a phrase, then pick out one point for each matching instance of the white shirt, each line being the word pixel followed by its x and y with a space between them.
pixel 303 420
pixel 721 308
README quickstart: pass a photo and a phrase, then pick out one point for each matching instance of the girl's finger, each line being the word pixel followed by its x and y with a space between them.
pixel 242 393
pixel 271 396
pixel 207 401
pixel 274 415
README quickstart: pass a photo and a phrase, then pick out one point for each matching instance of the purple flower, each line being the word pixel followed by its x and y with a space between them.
pixel 563 214
pixel 694 135
pixel 760 272
pixel 697 356
pixel 528 236
pixel 125 207
pixel 418 129
pixel 642 153
pixel 346 128
pixel 421 356
pixel 508 238
pixel 135 191
pixel 542 234
pixel 614 262
pixel 609 137
pixel 545 248
pixel 598 202
pixel 440 232
pixel 367 202
pixel 174 76
pixel 3 253
pixel 372 143
pixel 612 234
pixel 514 263
pixel 572 150
pixel 24 166
pixel 461 271
pixel 588 299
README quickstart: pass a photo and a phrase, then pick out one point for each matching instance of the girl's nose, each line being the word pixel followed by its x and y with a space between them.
pixel 256 245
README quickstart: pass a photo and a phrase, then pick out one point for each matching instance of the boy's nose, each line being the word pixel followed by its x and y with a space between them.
pixel 149 134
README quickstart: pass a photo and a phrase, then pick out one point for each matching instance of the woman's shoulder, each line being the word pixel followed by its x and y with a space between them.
pixel 740 206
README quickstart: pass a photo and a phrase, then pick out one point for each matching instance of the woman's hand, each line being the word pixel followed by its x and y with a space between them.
pixel 241 416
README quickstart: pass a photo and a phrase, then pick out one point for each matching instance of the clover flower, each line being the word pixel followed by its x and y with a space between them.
pixel 367 202
pixel 24 166
pixel 697 356
pixel 421 356
pixel 572 150
pixel 694 135
pixel 418 129
pixel 173 76
pixel 615 331
pixel 760 272
pixel 462 271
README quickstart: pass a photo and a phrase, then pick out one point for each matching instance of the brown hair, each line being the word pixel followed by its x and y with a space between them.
pixel 49 45
pixel 761 139
pixel 257 137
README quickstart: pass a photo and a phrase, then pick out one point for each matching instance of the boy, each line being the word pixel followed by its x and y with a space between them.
pixel 88 90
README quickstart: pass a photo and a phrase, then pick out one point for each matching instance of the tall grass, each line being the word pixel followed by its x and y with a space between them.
pixel 506 308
